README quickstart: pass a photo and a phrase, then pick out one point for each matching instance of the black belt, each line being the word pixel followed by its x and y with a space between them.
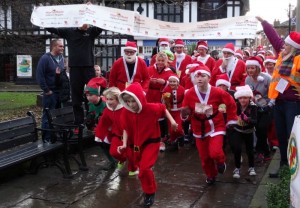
pixel 120 137
pixel 203 122
pixel 148 141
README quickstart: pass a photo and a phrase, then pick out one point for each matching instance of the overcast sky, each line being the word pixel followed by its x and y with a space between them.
pixel 271 9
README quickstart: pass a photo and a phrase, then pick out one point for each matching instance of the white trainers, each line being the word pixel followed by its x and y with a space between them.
pixel 162 147
pixel 236 173
pixel 251 171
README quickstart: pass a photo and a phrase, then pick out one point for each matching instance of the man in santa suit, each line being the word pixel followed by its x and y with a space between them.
pixel 201 104
pixel 181 59
pixel 128 69
pixel 235 68
pixel 206 59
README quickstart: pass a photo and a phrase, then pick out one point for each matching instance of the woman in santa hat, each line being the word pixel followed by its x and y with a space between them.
pixel 201 104
pixel 259 83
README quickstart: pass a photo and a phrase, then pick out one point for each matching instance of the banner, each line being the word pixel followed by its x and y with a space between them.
pixel 24 66
pixel 293 159
pixel 132 23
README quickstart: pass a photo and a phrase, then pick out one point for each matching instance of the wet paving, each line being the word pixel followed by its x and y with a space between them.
pixel 180 179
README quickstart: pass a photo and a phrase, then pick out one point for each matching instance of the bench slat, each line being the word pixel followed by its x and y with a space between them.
pixel 17 132
pixel 11 143
pixel 16 122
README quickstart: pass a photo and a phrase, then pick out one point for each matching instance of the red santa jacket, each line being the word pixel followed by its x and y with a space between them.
pixel 176 98
pixel 155 90
pixel 207 61
pixel 215 124
pixel 236 76
pixel 119 74
pixel 142 125
pixel 181 66
pixel 109 123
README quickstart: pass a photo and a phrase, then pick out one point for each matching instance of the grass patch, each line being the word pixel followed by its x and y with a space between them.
pixel 16 104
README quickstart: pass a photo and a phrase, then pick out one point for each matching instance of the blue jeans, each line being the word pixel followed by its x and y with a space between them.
pixel 51 102
pixel 284 115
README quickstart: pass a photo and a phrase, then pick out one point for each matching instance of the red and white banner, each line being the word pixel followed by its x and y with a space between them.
pixel 132 23
pixel 293 159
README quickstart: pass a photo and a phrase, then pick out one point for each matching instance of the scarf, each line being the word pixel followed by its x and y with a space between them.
pixel 287 64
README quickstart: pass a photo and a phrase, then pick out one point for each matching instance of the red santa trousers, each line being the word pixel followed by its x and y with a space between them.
pixel 179 132
pixel 115 142
pixel 145 159
pixel 210 151
pixel 272 138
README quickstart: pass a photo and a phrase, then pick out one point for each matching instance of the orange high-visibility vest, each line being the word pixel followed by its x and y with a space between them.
pixel 293 78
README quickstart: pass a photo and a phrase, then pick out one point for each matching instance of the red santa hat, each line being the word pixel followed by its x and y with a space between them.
pixel 202 44
pixel 248 52
pixel 243 91
pixel 254 60
pixel 135 90
pixel 189 66
pixel 239 53
pixel 270 59
pixel 271 52
pixel 164 41
pixel 94 86
pixel 229 47
pixel 201 68
pixel 173 77
pixel 223 79
pixel 293 39
pixel 130 45
pixel 179 43
pixel 261 56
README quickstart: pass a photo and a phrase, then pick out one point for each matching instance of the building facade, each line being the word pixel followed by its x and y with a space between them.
pixel 19 37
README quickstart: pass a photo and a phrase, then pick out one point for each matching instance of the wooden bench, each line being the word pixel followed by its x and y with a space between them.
pixel 19 142
pixel 63 118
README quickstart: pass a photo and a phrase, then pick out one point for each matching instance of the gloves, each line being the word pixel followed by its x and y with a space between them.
pixel 244 117
pixel 185 112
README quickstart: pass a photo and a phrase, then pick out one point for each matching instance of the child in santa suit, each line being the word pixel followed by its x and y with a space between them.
pixel 201 104
pixel 109 128
pixel 93 91
pixel 172 97
pixel 141 135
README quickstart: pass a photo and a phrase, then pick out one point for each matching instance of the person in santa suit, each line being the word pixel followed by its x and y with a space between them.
pixel 232 66
pixel 239 54
pixel 128 69
pixel 181 59
pixel 203 56
pixel 109 130
pixel 172 97
pixel 159 75
pixel 164 45
pixel 141 135
pixel 201 105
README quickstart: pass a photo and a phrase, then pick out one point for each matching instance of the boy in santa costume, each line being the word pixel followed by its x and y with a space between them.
pixel 93 91
pixel 232 66
pixel 203 56
pixel 172 97
pixel 128 69
pixel 181 59
pixel 141 135
pixel 201 104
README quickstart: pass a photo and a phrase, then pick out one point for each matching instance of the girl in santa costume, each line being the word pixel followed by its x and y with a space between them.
pixel 201 104
pixel 172 97
pixel 243 131
pixel 109 128
pixel 141 135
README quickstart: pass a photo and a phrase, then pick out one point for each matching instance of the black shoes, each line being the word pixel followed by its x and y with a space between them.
pixel 221 168
pixel 210 181
pixel 149 200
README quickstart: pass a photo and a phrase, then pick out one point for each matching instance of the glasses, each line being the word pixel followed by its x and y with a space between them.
pixel 129 52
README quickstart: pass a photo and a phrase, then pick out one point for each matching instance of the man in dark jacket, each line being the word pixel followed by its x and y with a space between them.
pixel 81 61
pixel 49 64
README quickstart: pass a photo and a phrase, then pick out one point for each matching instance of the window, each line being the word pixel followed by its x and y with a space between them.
pixel 211 9
pixel 170 12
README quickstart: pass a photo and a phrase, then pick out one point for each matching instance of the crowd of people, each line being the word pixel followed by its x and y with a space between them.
pixel 246 97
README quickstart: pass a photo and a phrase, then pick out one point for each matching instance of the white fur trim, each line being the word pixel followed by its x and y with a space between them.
pixel 291 42
pixel 252 62
pixel 173 77
pixel 125 104
pixel 202 46
pixel 130 48
pixel 119 106
pixel 202 72
pixel 179 45
pixel 270 60
pixel 260 78
pixel 228 50
pixel 239 55
pixel 223 82
pixel 164 42
pixel 243 93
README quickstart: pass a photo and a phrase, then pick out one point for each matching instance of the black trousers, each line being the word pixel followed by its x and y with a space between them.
pixel 79 77
pixel 236 139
